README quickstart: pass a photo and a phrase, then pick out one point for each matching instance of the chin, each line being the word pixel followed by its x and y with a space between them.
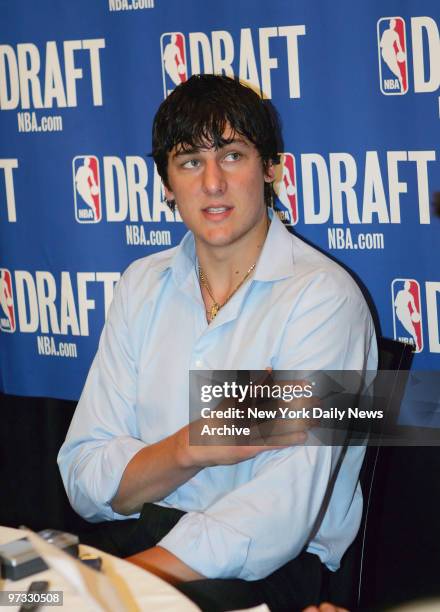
pixel 218 238
pixel 218 242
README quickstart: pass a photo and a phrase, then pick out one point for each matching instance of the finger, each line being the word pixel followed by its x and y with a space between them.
pixel 280 427
pixel 328 607
pixel 265 377
pixel 289 424
pixel 281 441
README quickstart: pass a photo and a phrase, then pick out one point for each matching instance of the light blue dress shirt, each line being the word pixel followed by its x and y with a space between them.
pixel 300 311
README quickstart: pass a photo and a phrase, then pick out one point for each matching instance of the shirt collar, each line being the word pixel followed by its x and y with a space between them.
pixel 184 261
pixel 275 262
pixel 276 259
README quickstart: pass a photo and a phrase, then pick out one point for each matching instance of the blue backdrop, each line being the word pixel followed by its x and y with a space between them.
pixel 357 85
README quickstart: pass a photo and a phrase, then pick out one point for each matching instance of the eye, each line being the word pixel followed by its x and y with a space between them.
pixel 191 163
pixel 233 156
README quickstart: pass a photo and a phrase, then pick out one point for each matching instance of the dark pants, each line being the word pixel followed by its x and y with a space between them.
pixel 299 583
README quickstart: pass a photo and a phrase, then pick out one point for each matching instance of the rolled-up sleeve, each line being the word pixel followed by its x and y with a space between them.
pixel 103 435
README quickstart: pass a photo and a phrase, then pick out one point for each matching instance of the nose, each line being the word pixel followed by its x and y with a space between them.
pixel 213 179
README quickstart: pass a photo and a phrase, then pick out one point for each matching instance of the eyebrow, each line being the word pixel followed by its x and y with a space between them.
pixel 193 150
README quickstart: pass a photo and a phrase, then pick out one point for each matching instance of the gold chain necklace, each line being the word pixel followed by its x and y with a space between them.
pixel 212 312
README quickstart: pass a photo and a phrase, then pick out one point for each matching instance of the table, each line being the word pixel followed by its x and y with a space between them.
pixel 139 589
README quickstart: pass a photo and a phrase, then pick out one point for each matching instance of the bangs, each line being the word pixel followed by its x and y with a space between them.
pixel 207 127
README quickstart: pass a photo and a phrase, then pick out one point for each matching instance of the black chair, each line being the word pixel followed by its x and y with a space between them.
pixel 345 587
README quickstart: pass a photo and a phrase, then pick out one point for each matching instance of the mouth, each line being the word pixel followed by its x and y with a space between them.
pixel 217 213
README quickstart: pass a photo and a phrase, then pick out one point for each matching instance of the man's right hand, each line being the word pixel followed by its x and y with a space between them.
pixel 265 434
pixel 228 451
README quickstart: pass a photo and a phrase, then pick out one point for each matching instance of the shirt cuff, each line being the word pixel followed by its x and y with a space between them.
pixel 102 483
pixel 210 547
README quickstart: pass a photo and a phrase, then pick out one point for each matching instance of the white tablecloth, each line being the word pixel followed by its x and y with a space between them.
pixel 139 589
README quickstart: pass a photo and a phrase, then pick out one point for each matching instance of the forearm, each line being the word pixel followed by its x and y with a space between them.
pixel 154 472
pixel 157 470
pixel 164 564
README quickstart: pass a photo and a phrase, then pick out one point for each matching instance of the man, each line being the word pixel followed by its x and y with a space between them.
pixel 239 292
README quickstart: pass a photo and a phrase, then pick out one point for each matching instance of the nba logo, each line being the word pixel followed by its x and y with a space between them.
pixel 173 54
pixel 393 64
pixel 407 319
pixel 86 189
pixel 7 312
pixel 286 204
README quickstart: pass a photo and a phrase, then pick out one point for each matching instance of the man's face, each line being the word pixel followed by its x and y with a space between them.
pixel 219 193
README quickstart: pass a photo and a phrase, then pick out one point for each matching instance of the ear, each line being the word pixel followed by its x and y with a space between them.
pixel 269 172
pixel 168 193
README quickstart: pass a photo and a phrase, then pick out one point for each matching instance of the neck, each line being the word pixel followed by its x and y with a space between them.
pixel 225 266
